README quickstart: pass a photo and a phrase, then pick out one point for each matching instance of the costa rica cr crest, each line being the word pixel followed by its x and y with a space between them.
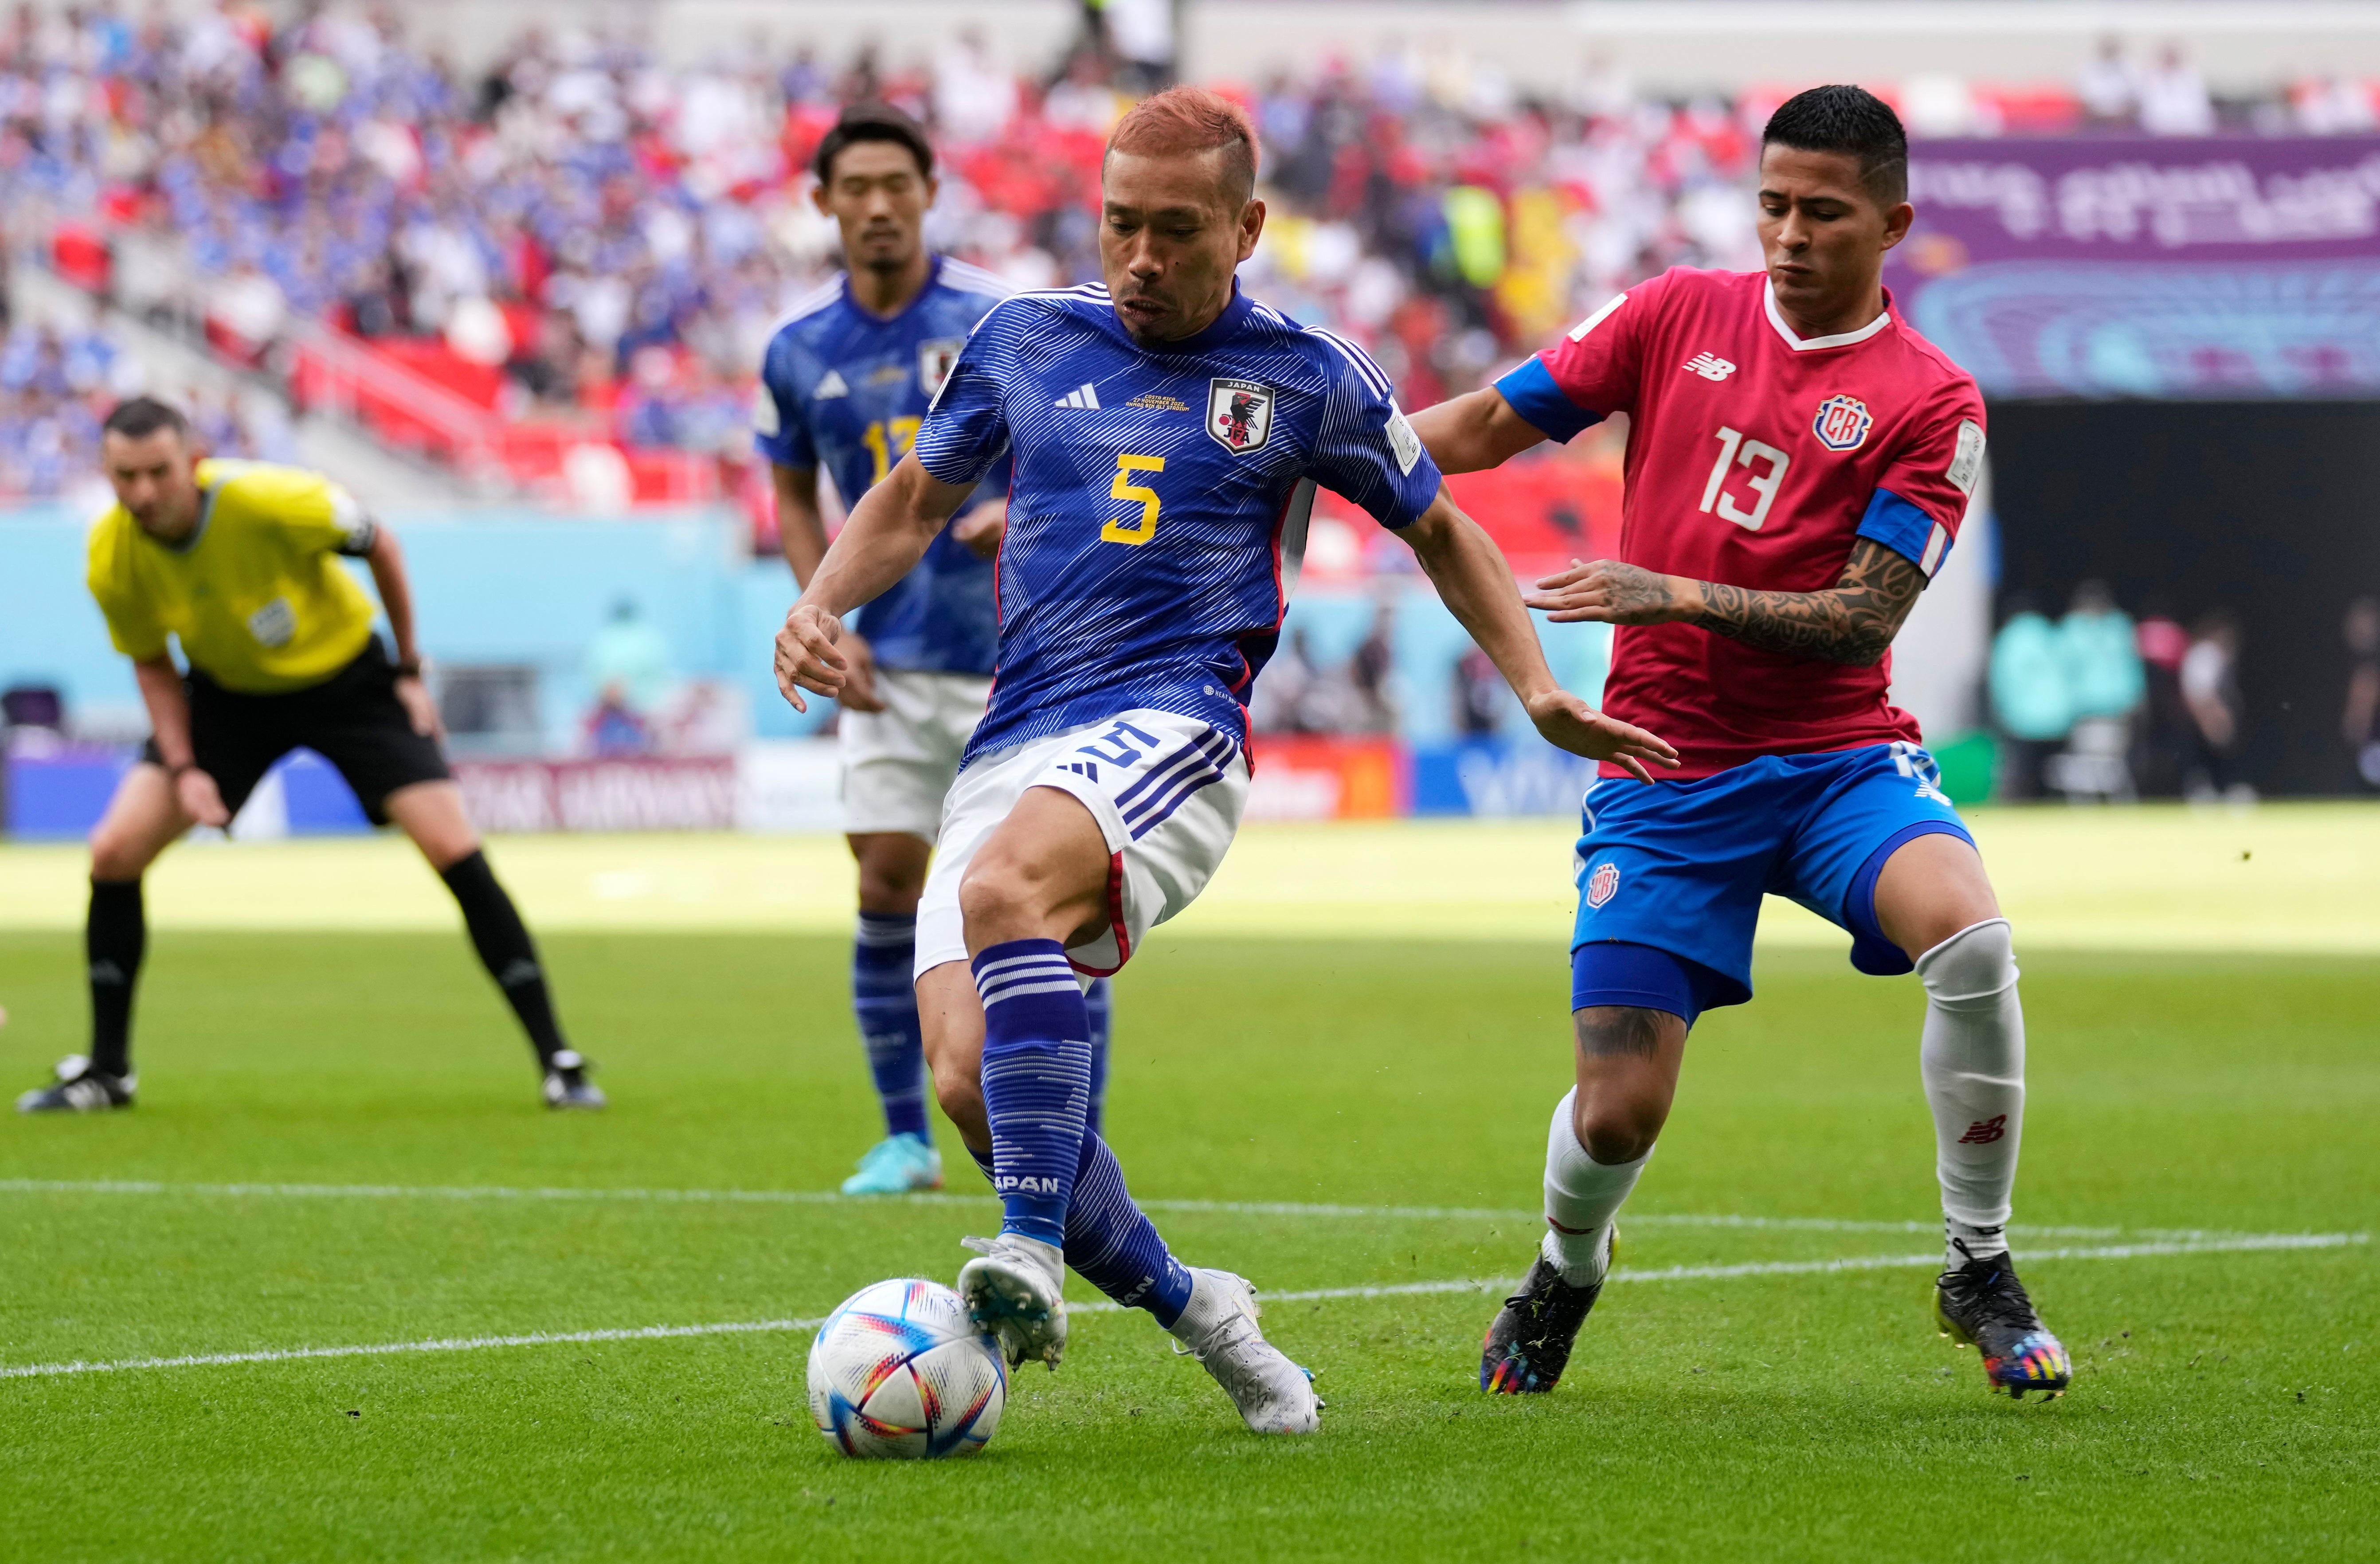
pixel 1842 423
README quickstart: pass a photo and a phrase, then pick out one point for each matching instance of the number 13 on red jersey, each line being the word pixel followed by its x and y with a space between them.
pixel 1764 467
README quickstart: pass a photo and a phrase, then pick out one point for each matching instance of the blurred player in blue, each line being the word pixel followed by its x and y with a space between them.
pixel 1167 433
pixel 846 380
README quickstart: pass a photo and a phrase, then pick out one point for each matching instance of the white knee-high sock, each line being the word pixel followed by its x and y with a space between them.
pixel 1972 1062
pixel 1582 1196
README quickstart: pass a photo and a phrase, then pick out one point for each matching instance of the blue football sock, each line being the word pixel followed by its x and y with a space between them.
pixel 884 1001
pixel 1100 1003
pixel 1036 1080
pixel 1115 1246
pixel 1110 1243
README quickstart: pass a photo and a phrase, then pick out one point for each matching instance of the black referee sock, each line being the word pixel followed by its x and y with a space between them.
pixel 114 941
pixel 506 950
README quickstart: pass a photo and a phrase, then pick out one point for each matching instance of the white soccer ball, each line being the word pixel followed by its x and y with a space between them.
pixel 899 1371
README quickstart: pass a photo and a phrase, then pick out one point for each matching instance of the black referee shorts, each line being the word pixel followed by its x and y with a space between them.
pixel 352 719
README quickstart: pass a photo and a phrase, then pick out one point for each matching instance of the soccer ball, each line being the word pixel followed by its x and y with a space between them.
pixel 899 1371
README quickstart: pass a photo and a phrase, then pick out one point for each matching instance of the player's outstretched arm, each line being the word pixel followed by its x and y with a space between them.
pixel 1853 622
pixel 885 536
pixel 1477 585
pixel 801 536
pixel 1473 432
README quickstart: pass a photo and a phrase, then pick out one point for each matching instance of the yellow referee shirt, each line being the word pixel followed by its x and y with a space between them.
pixel 256 595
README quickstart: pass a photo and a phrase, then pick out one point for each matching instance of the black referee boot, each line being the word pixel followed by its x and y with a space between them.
pixel 78 1088
pixel 566 1084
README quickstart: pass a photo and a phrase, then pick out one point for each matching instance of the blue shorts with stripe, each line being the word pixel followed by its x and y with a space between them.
pixel 1680 868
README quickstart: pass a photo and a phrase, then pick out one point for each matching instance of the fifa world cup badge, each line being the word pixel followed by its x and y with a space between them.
pixel 1603 883
pixel 1239 414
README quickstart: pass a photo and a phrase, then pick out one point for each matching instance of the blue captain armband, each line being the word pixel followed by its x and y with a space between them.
pixel 1906 530
pixel 1532 390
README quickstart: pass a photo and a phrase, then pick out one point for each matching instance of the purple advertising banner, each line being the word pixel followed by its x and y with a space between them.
pixel 2225 267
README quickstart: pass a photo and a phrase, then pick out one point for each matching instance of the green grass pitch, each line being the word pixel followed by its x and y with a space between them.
pixel 2227 1404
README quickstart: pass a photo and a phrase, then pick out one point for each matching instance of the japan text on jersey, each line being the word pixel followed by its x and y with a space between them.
pixel 846 390
pixel 1159 497
pixel 1757 459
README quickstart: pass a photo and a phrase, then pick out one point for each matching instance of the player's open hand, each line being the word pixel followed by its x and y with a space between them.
pixel 1606 592
pixel 808 657
pixel 420 706
pixel 1570 723
pixel 201 799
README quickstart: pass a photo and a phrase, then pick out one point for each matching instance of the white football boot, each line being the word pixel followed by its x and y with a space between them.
pixel 1218 1328
pixel 1017 1291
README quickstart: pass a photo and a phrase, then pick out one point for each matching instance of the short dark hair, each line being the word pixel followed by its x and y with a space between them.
pixel 873 122
pixel 1851 120
pixel 138 417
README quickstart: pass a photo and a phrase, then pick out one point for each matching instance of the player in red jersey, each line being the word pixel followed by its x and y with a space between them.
pixel 1799 459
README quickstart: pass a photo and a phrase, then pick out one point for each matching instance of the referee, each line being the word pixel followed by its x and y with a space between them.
pixel 238 560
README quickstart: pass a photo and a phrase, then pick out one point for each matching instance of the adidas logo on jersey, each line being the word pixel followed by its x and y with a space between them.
pixel 1710 366
pixel 1083 395
pixel 831 386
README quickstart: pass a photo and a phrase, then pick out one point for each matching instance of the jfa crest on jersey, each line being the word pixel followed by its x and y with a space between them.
pixel 934 360
pixel 1757 459
pixel 1239 414
pixel 846 390
pixel 1158 504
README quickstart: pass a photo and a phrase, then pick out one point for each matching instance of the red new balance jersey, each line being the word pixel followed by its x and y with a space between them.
pixel 1754 458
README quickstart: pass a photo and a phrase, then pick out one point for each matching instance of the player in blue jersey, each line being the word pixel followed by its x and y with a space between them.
pixel 844 383
pixel 1168 433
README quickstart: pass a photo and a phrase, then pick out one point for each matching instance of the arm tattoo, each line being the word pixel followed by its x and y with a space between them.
pixel 1852 623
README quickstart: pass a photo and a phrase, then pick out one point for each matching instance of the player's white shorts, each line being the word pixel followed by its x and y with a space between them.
pixel 1167 791
pixel 898 764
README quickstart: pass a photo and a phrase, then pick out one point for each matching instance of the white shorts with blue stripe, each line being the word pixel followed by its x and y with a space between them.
pixel 1166 792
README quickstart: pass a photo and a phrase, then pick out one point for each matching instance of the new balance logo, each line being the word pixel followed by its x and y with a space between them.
pixel 831 386
pixel 1710 366
pixel 1983 1132
pixel 1083 395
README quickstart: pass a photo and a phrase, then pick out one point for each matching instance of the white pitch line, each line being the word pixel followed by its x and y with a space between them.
pixel 2242 1243
pixel 828 1197
pixel 388 1349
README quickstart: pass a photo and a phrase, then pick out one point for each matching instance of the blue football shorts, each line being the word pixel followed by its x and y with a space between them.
pixel 1670 875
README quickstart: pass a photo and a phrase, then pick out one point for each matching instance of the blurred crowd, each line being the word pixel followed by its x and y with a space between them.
pixel 616 238
pixel 55 387
pixel 57 381
pixel 2096 706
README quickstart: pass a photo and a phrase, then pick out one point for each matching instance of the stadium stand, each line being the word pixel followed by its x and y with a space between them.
pixel 553 278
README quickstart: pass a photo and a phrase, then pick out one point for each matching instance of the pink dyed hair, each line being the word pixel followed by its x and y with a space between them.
pixel 1184 121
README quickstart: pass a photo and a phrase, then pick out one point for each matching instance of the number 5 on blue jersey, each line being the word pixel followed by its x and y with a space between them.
pixel 1133 532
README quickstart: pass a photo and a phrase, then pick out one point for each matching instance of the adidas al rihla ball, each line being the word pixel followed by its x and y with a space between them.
pixel 899 1371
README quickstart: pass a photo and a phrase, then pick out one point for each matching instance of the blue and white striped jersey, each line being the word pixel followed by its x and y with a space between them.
pixel 1158 510
pixel 846 389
